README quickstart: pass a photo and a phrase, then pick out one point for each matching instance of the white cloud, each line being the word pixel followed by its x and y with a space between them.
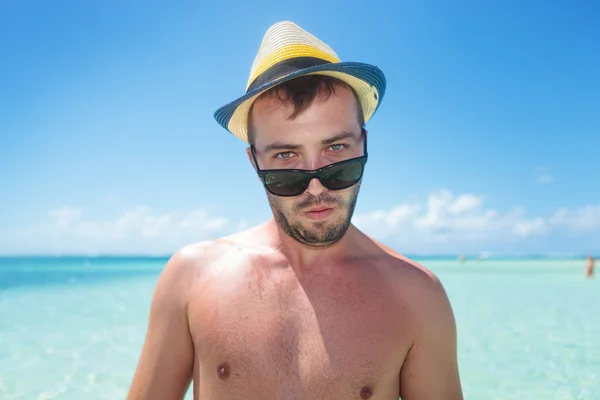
pixel 543 179
pixel 445 218
pixel 532 227
pixel 138 230
pixel 64 216
pixel 584 219
pixel 465 203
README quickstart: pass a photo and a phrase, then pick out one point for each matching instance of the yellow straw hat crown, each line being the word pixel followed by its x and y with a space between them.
pixel 286 52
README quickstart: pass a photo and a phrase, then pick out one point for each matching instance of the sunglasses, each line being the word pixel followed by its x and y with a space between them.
pixel 293 182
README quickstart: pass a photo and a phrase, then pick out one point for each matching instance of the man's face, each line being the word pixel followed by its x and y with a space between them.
pixel 326 132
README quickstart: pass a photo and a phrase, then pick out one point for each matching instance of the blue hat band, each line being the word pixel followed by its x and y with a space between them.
pixel 283 68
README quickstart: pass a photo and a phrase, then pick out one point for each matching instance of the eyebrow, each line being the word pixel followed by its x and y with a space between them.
pixel 341 136
pixel 281 146
pixel 278 145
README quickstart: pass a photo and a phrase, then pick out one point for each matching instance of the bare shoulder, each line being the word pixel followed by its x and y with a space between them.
pixel 420 289
pixel 412 274
pixel 193 262
pixel 186 267
pixel 187 260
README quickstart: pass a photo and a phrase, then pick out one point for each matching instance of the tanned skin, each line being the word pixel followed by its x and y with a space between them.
pixel 298 307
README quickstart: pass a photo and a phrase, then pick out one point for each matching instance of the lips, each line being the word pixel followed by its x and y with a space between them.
pixel 318 213
pixel 318 209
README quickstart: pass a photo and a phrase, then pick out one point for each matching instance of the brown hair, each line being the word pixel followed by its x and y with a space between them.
pixel 301 92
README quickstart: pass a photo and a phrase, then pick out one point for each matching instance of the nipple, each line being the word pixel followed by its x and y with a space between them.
pixel 366 392
pixel 223 371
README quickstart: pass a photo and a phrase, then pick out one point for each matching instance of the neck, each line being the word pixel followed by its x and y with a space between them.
pixel 303 257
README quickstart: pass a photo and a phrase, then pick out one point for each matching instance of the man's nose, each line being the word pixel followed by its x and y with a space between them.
pixel 315 187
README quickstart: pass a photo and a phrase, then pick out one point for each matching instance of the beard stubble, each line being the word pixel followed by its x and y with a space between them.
pixel 318 233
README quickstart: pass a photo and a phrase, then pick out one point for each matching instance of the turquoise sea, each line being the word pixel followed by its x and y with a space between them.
pixel 72 327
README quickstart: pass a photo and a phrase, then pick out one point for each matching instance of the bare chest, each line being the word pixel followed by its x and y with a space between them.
pixel 270 339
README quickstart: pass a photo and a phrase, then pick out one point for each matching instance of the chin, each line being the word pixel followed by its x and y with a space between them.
pixel 332 227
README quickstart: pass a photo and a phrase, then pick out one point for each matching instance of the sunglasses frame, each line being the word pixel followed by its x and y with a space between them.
pixel 311 174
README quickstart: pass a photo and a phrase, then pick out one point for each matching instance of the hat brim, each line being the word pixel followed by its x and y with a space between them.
pixel 368 81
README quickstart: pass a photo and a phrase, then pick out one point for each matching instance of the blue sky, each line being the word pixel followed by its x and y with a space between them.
pixel 488 137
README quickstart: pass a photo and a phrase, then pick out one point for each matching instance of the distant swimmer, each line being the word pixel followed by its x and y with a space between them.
pixel 589 266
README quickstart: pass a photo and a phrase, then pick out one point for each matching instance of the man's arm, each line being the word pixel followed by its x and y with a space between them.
pixel 165 366
pixel 430 371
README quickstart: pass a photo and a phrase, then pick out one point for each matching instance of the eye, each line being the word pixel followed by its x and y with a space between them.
pixel 284 156
pixel 337 147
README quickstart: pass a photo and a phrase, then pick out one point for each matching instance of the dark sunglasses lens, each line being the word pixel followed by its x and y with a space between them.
pixel 342 176
pixel 286 183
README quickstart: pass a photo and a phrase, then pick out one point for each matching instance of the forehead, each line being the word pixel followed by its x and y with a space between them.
pixel 326 115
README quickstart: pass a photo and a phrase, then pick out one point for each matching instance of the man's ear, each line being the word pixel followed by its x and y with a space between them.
pixel 249 154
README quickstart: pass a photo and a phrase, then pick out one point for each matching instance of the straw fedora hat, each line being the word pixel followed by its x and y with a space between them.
pixel 286 52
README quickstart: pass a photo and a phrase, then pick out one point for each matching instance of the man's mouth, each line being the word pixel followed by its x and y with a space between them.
pixel 319 209
pixel 319 213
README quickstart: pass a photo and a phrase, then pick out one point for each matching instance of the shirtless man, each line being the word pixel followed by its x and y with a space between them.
pixel 304 306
